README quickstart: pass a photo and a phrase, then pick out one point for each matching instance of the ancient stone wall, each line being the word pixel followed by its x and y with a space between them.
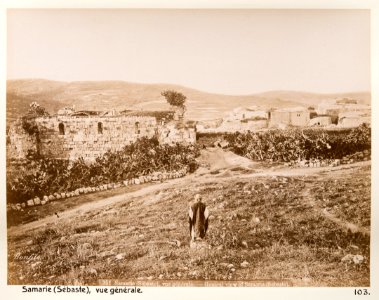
pixel 71 137
pixel 19 142
pixel 171 134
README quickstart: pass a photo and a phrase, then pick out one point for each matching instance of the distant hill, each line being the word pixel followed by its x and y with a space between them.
pixel 121 95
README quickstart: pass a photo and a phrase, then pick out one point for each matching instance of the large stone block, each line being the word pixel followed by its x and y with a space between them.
pixel 37 201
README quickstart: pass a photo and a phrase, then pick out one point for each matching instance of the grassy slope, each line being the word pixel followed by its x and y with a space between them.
pixel 292 240
pixel 101 95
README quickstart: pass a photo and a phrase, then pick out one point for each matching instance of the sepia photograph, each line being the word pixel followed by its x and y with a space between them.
pixel 188 147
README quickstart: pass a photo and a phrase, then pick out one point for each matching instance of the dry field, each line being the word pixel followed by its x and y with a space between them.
pixel 266 223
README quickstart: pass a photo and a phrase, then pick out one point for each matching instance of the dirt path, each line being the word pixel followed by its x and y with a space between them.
pixel 224 162
pixel 341 223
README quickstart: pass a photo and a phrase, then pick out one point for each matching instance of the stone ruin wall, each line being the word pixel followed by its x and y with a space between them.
pixel 84 137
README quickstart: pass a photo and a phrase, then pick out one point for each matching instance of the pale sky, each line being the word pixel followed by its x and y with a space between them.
pixel 220 51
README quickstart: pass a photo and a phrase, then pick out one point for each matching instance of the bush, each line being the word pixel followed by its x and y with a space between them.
pixel 293 144
pixel 39 176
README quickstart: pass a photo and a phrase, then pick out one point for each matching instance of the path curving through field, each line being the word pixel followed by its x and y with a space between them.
pixel 308 198
pixel 217 165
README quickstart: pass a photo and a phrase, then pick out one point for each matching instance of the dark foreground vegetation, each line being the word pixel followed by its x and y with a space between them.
pixel 294 144
pixel 38 176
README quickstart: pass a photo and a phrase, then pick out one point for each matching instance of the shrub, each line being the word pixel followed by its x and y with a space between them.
pixel 294 144
pixel 39 176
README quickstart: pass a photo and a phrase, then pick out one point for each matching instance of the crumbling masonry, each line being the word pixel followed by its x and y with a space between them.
pixel 88 136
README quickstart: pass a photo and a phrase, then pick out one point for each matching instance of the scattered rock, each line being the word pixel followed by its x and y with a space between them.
pixel 160 276
pixel 244 243
pixel 37 201
pixel 33 265
pixel 350 258
pixel 244 264
pixel 120 256
pixel 230 266
pixel 93 271
pixel 51 198
pixel 106 253
pixel 358 259
pixel 30 202
pixel 86 246
pixel 177 243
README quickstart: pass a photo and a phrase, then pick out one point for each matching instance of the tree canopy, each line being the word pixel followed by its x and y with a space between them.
pixel 35 110
pixel 174 98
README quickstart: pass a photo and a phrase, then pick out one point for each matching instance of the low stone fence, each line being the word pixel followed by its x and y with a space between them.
pixel 316 163
pixel 154 177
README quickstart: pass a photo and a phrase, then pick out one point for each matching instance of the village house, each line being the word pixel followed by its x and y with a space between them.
pixel 320 121
pixel 242 113
pixel 293 116
pixel 240 119
pixel 353 119
pixel 340 106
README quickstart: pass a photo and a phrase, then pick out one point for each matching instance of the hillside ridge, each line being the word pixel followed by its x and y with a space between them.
pixel 120 95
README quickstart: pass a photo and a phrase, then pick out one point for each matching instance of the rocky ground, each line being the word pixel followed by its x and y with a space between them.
pixel 310 226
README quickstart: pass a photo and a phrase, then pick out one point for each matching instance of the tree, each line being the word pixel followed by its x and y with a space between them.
pixel 35 110
pixel 175 99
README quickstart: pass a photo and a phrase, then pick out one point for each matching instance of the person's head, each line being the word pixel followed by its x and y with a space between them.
pixel 198 198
